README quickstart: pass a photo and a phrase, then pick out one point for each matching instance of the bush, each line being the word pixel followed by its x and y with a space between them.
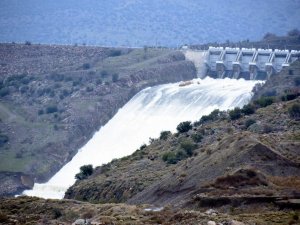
pixel 184 127
pixel 3 139
pixel 289 97
pixel 293 33
pixel 197 137
pixel 248 109
pixel 104 73
pixel 164 135
pixel 115 77
pixel 235 113
pixel 170 157
pixel 188 147
pixel 294 111
pixel 89 89
pixel 51 109
pixel 115 52
pixel 264 101
pixel 297 81
pixel 4 91
pixel 40 112
pixel 214 115
pixel 56 213
pixel 86 66
pixel 85 171
pixel 57 77
pixel 249 122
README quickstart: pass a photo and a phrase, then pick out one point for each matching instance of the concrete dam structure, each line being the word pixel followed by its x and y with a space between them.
pixel 247 63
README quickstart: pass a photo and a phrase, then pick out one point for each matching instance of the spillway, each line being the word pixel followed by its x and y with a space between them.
pixel 148 113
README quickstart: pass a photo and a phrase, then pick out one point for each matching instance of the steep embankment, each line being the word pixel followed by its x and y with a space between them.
pixel 240 157
pixel 53 98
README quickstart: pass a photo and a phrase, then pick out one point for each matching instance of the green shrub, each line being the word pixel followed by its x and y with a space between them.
pixel 56 213
pixel 184 127
pixel 289 97
pixel 235 113
pixel 89 89
pixel 3 139
pixel 99 81
pixel 85 171
pixel 115 77
pixel 115 52
pixel 4 91
pixel 248 109
pixel 188 147
pixel 164 135
pixel 214 115
pixel 57 77
pixel 264 101
pixel 86 66
pixel 104 73
pixel 297 81
pixel 294 111
pixel 249 122
pixel 197 137
pixel 170 157
pixel 51 109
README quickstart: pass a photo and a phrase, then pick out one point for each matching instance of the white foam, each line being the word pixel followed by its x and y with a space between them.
pixel 146 115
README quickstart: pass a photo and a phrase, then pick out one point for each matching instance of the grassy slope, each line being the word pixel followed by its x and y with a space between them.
pixel 39 143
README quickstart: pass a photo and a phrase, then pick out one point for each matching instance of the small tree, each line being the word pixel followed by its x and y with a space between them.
pixel 86 66
pixel 249 122
pixel 248 109
pixel 115 77
pixel 235 113
pixel 184 127
pixel 264 101
pixel 294 111
pixel 85 171
pixel 164 135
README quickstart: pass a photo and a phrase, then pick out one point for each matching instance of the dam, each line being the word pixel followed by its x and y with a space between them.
pixel 247 63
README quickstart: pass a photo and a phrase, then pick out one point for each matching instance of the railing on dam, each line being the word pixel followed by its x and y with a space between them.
pixel 247 63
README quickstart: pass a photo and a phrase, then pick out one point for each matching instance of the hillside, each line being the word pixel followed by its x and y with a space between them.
pixel 245 160
pixel 169 23
pixel 54 98
pixel 235 167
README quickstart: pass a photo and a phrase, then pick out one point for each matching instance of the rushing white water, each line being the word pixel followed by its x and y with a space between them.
pixel 146 115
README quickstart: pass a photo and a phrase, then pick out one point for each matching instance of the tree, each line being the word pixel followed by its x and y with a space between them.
pixel 85 171
pixel 235 113
pixel 164 135
pixel 248 109
pixel 115 77
pixel 184 127
pixel 294 111
pixel 294 33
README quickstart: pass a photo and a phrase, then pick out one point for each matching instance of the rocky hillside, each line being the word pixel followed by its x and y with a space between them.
pixel 244 159
pixel 54 98
pixel 27 210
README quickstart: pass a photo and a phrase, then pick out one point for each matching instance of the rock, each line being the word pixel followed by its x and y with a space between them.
pixel 79 222
pixel 211 223
pixel 211 212
pixel 82 222
pixel 235 222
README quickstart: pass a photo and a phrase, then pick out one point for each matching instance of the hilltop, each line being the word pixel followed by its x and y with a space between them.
pixel 54 98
